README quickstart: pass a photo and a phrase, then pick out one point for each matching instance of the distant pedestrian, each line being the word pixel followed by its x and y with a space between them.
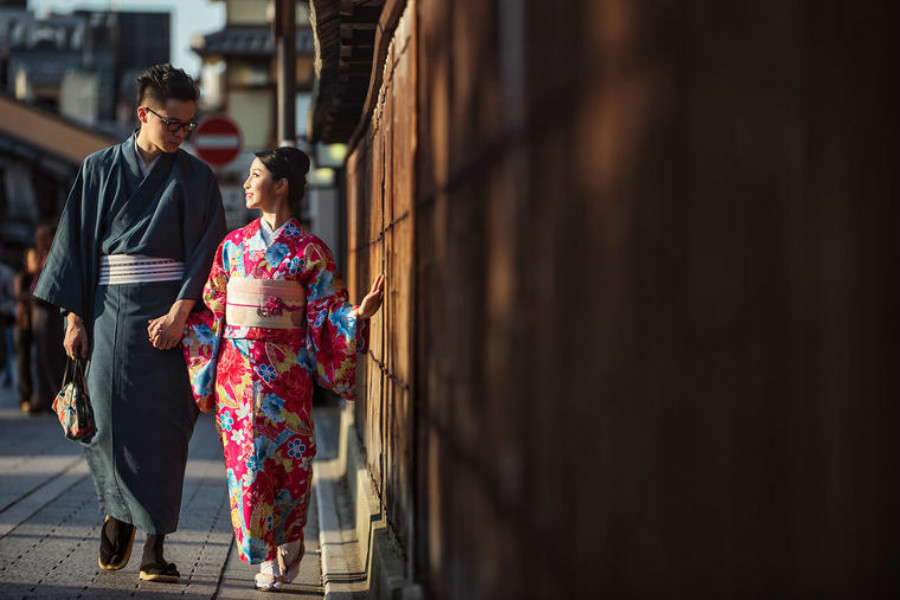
pixel 22 334
pixel 134 244
pixel 278 319
pixel 7 315
pixel 47 335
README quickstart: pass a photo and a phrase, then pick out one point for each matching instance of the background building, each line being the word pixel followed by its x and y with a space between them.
pixel 82 64
pixel 40 154
pixel 67 88
pixel 240 78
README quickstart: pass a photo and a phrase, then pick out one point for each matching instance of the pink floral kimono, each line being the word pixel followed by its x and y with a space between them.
pixel 277 317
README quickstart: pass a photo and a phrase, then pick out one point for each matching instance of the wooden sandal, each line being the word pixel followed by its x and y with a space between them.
pixel 268 583
pixel 164 572
pixel 110 549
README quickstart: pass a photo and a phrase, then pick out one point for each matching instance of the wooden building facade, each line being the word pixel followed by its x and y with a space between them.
pixel 641 331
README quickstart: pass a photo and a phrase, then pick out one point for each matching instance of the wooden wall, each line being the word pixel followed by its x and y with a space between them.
pixel 380 184
pixel 642 330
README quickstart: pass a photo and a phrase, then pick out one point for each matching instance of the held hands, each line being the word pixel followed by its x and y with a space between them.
pixel 165 332
pixel 76 340
pixel 372 302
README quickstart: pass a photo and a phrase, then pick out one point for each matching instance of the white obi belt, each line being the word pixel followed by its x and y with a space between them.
pixel 117 269
pixel 266 303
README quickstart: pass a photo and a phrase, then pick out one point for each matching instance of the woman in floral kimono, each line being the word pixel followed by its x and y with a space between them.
pixel 277 317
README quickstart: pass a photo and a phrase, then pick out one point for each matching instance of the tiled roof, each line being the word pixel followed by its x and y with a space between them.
pixel 251 41
pixel 346 33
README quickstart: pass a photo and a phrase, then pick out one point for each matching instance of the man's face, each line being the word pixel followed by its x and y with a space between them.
pixel 156 132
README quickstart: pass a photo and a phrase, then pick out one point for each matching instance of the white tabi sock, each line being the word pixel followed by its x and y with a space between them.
pixel 270 567
pixel 290 551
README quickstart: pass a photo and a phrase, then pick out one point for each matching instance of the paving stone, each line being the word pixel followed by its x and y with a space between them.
pixel 50 525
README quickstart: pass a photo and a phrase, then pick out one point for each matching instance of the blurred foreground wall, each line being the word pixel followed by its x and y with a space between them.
pixel 642 328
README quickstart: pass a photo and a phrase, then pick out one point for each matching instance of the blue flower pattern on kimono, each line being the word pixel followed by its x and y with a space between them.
pixel 232 256
pixel 204 334
pixel 266 372
pixel 295 265
pixel 202 381
pixel 226 421
pixel 276 253
pixel 255 549
pixel 291 230
pixel 264 448
pixel 323 287
pixel 344 321
pixel 306 359
pixel 296 448
pixel 271 406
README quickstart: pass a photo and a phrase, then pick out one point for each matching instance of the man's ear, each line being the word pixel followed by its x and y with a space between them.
pixel 142 114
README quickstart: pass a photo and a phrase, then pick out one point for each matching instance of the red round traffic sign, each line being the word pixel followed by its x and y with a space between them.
pixel 217 140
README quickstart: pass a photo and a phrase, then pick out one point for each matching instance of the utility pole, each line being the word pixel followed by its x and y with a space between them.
pixel 286 38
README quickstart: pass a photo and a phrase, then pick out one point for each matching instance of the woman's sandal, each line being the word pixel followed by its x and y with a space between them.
pixel 290 571
pixel 114 553
pixel 269 583
pixel 164 572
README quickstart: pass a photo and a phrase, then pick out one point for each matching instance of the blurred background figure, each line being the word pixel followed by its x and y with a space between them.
pixel 47 334
pixel 7 313
pixel 22 335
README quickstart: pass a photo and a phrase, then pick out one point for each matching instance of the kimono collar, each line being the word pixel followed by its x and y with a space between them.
pixel 129 153
pixel 145 168
pixel 265 230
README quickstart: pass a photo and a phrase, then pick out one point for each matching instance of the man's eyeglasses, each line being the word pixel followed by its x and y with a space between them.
pixel 174 126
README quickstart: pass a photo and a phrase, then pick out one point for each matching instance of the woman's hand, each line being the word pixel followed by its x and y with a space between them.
pixel 166 332
pixel 372 302
pixel 76 340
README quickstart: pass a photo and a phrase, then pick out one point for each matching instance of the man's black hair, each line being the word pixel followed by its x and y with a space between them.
pixel 163 82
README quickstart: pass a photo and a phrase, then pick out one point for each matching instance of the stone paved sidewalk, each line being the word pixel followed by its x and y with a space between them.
pixel 50 524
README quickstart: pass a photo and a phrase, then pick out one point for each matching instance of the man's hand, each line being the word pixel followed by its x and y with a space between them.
pixel 76 340
pixel 372 302
pixel 165 332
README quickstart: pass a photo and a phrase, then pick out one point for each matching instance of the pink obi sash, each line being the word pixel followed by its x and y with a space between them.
pixel 267 303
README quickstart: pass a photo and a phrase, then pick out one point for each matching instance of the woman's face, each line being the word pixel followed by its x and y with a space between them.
pixel 260 190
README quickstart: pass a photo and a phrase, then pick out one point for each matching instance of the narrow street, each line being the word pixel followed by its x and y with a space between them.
pixel 49 523
pixel 605 293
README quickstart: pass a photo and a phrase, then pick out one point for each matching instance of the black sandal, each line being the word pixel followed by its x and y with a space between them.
pixel 165 572
pixel 116 541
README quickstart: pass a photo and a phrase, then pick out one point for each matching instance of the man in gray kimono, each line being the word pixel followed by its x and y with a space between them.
pixel 132 253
